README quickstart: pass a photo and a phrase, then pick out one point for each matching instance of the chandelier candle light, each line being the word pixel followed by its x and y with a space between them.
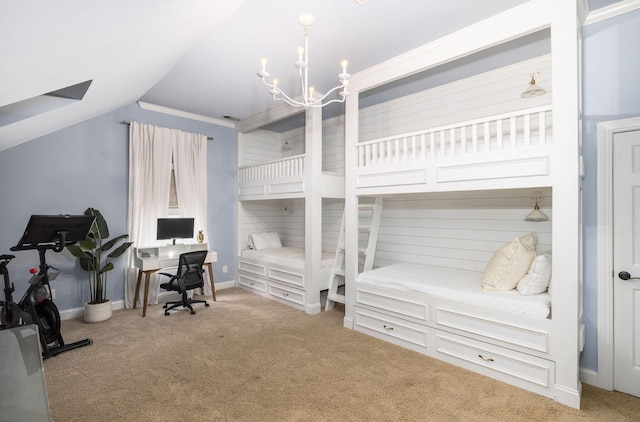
pixel 307 99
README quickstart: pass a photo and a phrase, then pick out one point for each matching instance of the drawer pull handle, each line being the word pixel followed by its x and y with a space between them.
pixel 485 359
pixel 285 294
pixel 388 328
pixel 252 283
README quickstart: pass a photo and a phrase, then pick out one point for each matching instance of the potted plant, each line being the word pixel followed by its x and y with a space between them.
pixel 95 258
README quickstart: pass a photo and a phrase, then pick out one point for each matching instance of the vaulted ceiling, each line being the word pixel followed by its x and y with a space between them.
pixel 197 56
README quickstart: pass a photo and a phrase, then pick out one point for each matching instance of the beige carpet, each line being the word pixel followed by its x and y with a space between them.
pixel 248 358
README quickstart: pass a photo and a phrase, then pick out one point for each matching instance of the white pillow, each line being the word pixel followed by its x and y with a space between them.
pixel 509 264
pixel 268 240
pixel 537 279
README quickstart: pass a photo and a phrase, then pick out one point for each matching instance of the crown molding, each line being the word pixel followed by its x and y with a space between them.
pixel 185 114
pixel 612 11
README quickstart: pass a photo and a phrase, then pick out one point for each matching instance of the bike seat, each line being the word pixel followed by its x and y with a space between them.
pixel 6 257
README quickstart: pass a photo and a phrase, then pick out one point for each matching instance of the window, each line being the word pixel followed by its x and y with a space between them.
pixel 174 208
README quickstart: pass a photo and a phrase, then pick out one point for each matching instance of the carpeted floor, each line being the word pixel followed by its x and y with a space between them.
pixel 247 358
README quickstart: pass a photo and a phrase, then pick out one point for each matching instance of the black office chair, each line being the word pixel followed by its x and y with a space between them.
pixel 189 276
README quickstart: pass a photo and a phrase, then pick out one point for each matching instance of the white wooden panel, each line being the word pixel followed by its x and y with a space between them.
pixel 286 293
pixel 286 187
pixel 517 366
pixel 490 93
pixel 287 276
pixel 259 146
pixel 459 230
pixel 252 282
pixel 535 166
pixel 530 338
pixel 405 177
pixel 395 330
pixel 393 303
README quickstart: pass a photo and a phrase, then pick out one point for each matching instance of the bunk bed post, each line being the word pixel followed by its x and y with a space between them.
pixel 566 224
pixel 350 206
pixel 313 209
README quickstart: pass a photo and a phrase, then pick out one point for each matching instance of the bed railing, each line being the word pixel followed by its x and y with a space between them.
pixel 289 167
pixel 511 131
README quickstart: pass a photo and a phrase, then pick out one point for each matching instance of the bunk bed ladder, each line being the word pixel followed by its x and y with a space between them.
pixel 337 273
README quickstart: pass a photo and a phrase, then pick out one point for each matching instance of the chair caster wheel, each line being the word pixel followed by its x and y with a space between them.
pixel 193 312
pixel 166 314
pixel 206 305
pixel 165 306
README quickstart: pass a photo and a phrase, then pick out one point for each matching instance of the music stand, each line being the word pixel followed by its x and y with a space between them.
pixel 52 232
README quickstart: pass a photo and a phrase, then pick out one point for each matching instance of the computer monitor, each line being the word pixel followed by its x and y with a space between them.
pixel 174 228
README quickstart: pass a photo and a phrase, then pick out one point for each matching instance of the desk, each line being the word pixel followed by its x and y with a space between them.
pixel 148 260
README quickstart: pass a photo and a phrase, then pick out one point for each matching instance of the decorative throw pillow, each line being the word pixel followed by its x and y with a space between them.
pixel 268 240
pixel 537 279
pixel 509 264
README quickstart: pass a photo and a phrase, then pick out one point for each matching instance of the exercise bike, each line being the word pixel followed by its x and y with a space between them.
pixel 36 307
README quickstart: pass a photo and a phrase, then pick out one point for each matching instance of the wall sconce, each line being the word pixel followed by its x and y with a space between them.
pixel 286 208
pixel 532 90
pixel 536 214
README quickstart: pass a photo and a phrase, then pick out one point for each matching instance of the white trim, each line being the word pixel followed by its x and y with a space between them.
pixel 185 114
pixel 612 11
pixel 588 376
pixel 604 188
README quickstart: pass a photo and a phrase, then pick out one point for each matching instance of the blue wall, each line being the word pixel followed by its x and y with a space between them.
pixel 611 91
pixel 86 165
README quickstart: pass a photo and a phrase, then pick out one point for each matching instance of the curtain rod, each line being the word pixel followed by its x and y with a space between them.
pixel 128 122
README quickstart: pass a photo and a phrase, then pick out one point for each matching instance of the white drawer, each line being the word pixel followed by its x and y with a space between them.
pixel 252 282
pixel 520 369
pixel 286 293
pixel 252 267
pixel 526 336
pixel 396 304
pixel 287 276
pixel 394 330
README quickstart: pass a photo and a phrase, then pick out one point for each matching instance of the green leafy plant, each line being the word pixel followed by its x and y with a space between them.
pixel 90 253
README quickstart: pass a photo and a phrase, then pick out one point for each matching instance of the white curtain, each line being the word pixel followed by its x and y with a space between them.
pixel 190 167
pixel 151 149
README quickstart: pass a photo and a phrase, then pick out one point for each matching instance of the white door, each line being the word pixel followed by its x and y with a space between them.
pixel 626 248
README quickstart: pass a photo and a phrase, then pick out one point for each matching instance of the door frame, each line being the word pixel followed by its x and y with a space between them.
pixel 604 187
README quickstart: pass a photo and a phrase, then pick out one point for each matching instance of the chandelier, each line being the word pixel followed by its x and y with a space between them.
pixel 307 98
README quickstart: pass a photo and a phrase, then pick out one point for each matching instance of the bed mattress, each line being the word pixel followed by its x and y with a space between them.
pixel 287 256
pixel 455 285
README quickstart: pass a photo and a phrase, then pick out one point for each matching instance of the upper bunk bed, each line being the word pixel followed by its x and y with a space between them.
pixel 290 191
pixel 475 134
pixel 281 154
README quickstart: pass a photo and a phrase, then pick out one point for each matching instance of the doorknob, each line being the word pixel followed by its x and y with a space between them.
pixel 626 276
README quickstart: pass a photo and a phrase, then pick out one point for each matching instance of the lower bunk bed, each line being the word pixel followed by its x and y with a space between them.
pixel 279 273
pixel 446 314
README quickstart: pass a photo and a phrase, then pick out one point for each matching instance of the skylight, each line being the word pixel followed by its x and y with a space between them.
pixel 40 104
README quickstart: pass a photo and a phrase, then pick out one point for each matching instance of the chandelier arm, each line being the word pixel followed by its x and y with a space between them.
pixel 335 100
pixel 284 97
pixel 327 94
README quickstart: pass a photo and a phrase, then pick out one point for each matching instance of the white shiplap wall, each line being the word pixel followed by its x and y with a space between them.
pixel 262 145
pixel 457 230
pixel 487 94
pixel 270 215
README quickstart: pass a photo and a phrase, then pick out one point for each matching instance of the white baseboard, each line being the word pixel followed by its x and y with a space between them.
pixel 119 304
pixel 589 376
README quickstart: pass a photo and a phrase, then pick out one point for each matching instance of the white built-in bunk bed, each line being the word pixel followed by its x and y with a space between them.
pixel 290 205
pixel 457 166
